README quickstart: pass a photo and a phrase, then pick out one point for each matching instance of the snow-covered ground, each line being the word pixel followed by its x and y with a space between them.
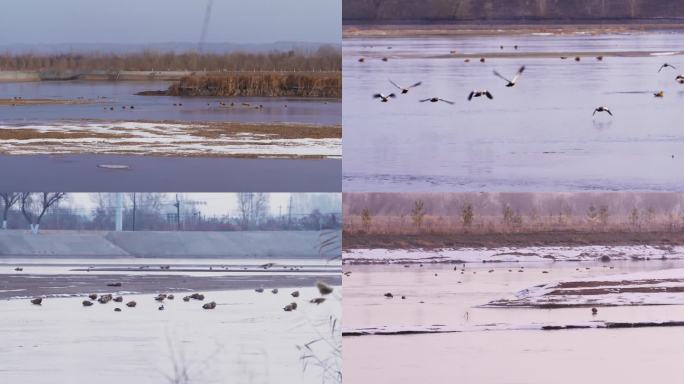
pixel 248 338
pixel 511 254
pixel 158 138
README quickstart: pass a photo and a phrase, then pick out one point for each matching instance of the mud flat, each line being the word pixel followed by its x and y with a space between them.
pixel 665 287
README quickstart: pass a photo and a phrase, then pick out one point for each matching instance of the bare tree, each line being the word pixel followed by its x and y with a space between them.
pixel 35 205
pixel 9 199
pixel 418 213
pixel 253 207
pixel 366 220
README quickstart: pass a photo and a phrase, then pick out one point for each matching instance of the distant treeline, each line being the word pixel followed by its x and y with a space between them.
pixel 327 85
pixel 426 213
pixel 380 11
pixel 326 58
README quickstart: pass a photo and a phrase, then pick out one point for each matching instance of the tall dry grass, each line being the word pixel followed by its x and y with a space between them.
pixel 328 85
pixel 444 225
pixel 326 58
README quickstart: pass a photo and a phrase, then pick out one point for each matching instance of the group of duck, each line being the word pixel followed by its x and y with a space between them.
pixel 323 288
pixel 510 82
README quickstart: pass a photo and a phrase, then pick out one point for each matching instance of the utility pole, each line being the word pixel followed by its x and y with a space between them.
pixel 119 212
pixel 289 211
pixel 177 205
pixel 134 208
pixel 205 26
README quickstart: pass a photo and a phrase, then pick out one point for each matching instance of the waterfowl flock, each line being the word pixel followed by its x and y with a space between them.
pixel 510 82
pixel 323 288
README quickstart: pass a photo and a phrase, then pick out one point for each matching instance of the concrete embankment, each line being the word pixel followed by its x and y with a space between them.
pixel 249 244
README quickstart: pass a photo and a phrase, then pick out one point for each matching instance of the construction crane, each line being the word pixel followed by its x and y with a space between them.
pixel 205 25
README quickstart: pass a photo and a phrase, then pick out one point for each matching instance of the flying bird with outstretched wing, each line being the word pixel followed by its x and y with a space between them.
pixel 384 98
pixel 666 65
pixel 476 93
pixel 511 82
pixel 602 109
pixel 436 99
pixel 404 90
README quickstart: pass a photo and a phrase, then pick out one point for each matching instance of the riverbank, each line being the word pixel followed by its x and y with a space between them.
pixel 522 239
pixel 353 29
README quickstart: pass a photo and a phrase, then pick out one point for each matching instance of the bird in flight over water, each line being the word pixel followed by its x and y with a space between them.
pixel 602 109
pixel 666 65
pixel 511 82
pixel 384 98
pixel 436 99
pixel 405 90
pixel 476 93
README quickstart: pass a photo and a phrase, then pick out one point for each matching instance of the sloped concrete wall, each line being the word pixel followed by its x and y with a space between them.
pixel 76 244
pixel 508 10
pixel 263 244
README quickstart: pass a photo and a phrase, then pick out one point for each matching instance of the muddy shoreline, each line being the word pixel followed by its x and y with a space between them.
pixel 21 286
pixel 358 29
pixel 495 240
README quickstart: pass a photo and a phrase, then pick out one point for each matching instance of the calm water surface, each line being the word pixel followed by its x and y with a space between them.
pixel 538 135
pixel 506 356
pixel 118 94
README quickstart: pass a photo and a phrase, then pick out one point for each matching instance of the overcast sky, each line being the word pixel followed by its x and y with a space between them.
pixel 217 204
pixel 156 21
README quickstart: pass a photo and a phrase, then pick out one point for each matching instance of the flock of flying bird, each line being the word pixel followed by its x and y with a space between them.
pixel 474 93
pixel 509 83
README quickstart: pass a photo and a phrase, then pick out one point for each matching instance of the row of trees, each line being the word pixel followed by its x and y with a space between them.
pixel 326 58
pixel 157 211
pixel 33 206
pixel 466 218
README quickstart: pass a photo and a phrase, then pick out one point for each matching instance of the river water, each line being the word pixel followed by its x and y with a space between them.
pixel 515 353
pixel 120 94
pixel 538 135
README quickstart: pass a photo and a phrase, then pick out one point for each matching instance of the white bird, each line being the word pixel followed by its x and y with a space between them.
pixel 602 109
pixel 436 99
pixel 384 98
pixel 405 90
pixel 511 82
pixel 476 93
pixel 679 79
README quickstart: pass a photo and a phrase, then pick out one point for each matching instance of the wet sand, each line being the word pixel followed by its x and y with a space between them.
pixel 31 285
pixel 183 174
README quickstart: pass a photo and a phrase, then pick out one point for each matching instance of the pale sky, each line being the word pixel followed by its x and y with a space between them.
pixel 158 21
pixel 215 204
